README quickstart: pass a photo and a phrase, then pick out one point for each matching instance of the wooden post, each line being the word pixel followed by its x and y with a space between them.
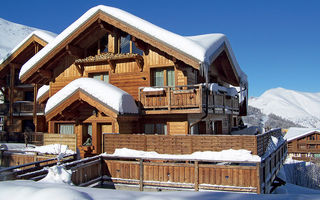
pixel 141 175
pixel 196 176
pixel 12 75
pixel 169 98
pixel 258 179
pixel 35 119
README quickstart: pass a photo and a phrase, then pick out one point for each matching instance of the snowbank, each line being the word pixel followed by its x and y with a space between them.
pixel 108 94
pixel 152 89
pixel 51 149
pixel 22 190
pixel 225 155
pixel 58 174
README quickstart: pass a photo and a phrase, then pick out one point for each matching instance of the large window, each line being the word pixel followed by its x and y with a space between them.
pixel 156 128
pixel 127 46
pixel 66 128
pixel 163 77
pixel 100 76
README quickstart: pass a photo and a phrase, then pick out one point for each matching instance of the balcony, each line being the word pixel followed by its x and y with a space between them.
pixel 188 99
pixel 25 108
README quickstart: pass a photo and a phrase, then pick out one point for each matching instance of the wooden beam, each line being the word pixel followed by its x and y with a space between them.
pixel 140 63
pixel 112 65
pixel 100 24
pixel 45 73
pixel 74 51
pixel 80 68
pixel 35 121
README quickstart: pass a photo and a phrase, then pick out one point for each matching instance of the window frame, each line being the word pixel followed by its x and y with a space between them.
pixel 165 71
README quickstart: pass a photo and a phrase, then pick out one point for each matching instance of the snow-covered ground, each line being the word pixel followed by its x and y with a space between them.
pixel 22 189
pixel 302 108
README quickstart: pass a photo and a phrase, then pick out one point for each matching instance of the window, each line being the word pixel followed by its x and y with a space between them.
pixel 157 128
pixel 87 135
pixel 99 46
pixel 312 146
pixel 100 76
pixel 66 129
pixel 28 96
pixel 127 46
pixel 163 77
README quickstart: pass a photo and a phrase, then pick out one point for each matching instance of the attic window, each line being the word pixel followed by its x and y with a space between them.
pixel 99 46
pixel 127 46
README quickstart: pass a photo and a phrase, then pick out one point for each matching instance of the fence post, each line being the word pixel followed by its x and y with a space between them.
pixel 141 175
pixel 258 179
pixel 196 176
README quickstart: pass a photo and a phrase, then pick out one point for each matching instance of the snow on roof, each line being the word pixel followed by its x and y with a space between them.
pixel 200 48
pixel 108 94
pixel 42 91
pixel 294 132
pixel 230 155
pixel 46 36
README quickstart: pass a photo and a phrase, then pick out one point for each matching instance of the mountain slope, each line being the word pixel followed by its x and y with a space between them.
pixel 302 108
pixel 12 34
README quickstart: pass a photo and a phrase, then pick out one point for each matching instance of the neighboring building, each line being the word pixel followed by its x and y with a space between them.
pixel 303 143
pixel 19 110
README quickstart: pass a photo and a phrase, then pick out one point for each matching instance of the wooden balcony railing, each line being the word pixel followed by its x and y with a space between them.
pixel 25 108
pixel 185 99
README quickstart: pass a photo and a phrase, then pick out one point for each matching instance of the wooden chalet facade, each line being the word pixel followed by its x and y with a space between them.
pixel 115 77
pixel 20 111
pixel 303 144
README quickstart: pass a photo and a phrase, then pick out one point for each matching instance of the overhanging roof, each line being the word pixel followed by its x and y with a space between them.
pixel 196 51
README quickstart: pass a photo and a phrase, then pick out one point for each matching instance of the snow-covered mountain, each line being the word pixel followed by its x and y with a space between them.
pixel 302 108
pixel 12 34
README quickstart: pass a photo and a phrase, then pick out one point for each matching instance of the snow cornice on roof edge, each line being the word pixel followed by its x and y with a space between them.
pixel 43 35
pixel 199 48
pixel 108 94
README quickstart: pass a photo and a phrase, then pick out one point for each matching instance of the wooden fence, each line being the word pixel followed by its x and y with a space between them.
pixel 255 177
pixel 63 139
pixel 166 144
pixel 33 137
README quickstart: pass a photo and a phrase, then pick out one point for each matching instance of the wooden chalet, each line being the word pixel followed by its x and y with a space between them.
pixel 20 111
pixel 303 143
pixel 116 81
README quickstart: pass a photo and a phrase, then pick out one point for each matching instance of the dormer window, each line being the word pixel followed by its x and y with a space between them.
pixel 127 46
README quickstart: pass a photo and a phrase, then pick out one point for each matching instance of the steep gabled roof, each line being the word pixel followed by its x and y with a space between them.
pixel 295 133
pixel 197 51
pixel 109 96
pixel 38 36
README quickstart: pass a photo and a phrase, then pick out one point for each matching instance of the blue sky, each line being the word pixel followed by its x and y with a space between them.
pixel 277 43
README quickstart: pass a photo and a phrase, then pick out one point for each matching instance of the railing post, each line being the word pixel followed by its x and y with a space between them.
pixel 196 175
pixel 169 98
pixel 141 175
pixel 200 97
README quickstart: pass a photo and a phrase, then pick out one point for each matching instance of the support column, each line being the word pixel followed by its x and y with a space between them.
pixel 11 90
pixel 35 118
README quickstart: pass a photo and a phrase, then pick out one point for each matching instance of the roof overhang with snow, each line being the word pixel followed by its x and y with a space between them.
pixel 198 51
pixel 297 133
pixel 43 94
pixel 25 50
pixel 104 97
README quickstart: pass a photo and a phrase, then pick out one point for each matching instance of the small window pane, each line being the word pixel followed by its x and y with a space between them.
pixel 161 129
pixel 97 76
pixel 136 50
pixel 170 77
pixel 66 129
pixel 106 78
pixel 149 128
pixel 125 44
pixel 158 77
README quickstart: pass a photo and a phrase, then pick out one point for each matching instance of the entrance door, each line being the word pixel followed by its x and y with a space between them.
pixel 218 127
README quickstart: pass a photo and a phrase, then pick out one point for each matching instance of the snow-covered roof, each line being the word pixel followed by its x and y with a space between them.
pixel 294 132
pixel 42 91
pixel 107 94
pixel 45 36
pixel 200 48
